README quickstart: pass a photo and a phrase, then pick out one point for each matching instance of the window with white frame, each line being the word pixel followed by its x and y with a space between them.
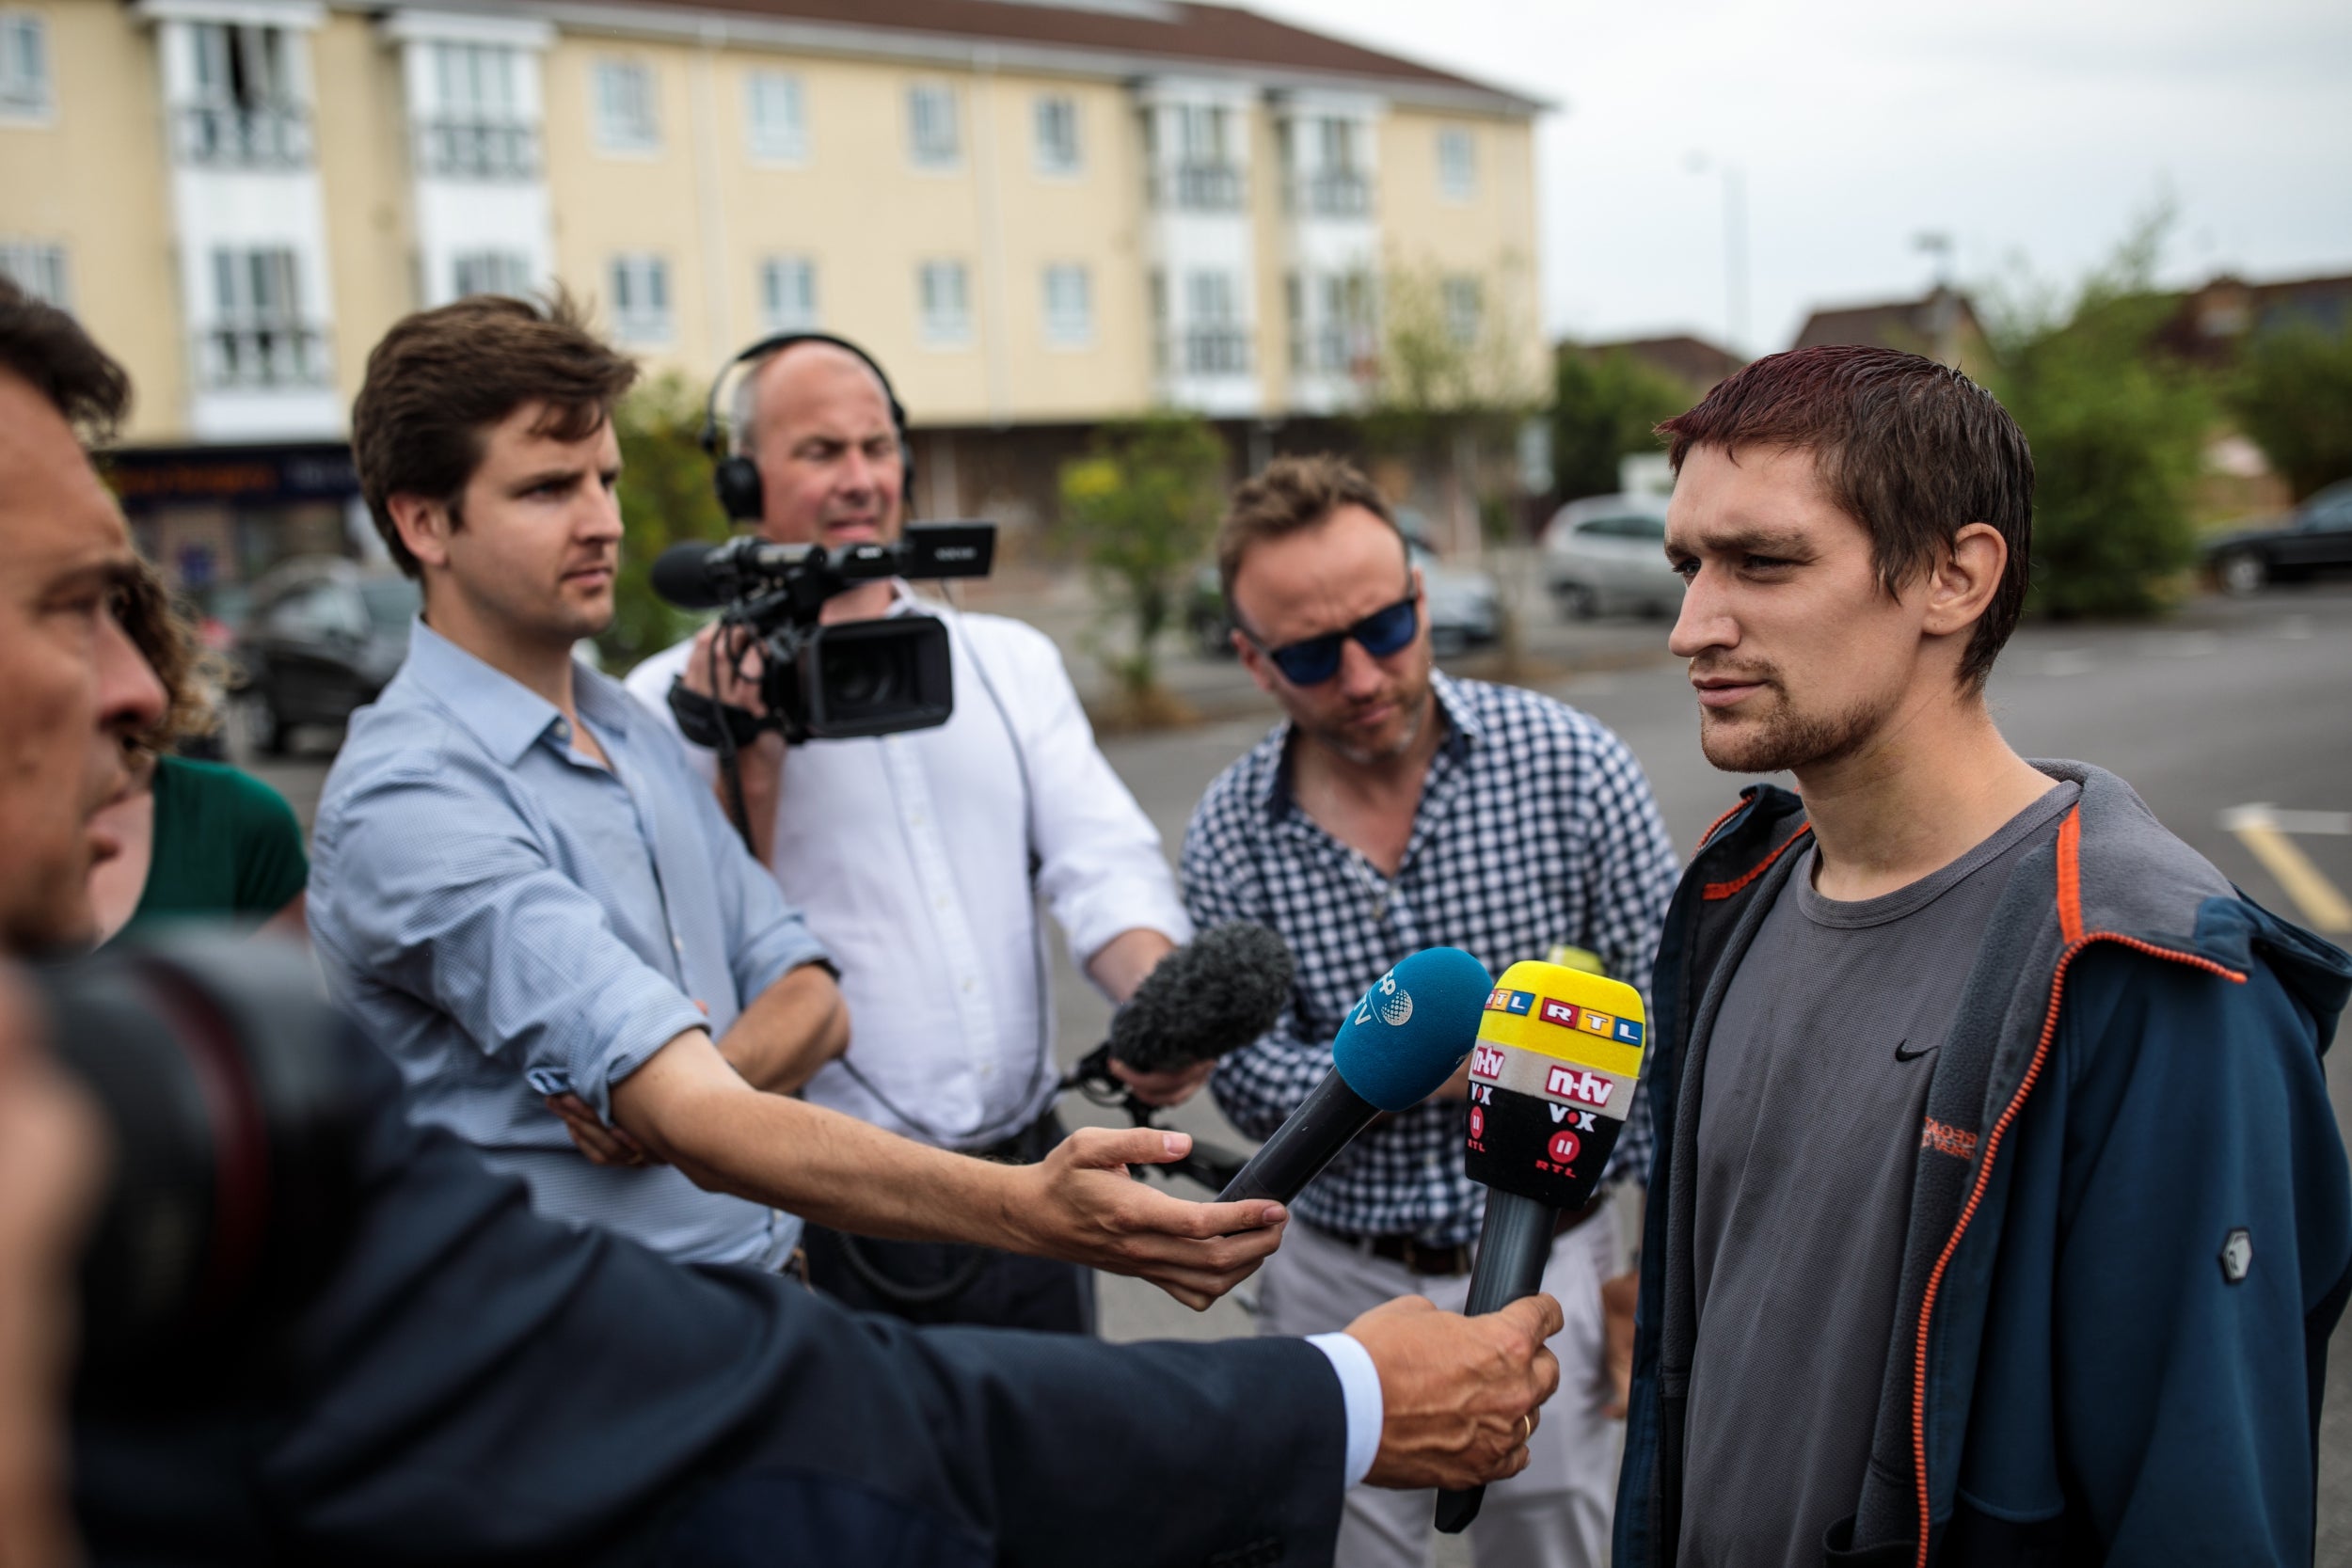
pixel 627 118
pixel 788 295
pixel 38 269
pixel 479 130
pixel 1057 134
pixel 245 110
pixel 259 339
pixel 1068 307
pixel 774 109
pixel 1465 310
pixel 1457 162
pixel 944 298
pixel 491 272
pixel 641 298
pixel 24 89
pixel 931 137
pixel 1215 341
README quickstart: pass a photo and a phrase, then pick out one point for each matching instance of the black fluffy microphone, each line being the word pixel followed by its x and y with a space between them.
pixel 1212 996
pixel 1559 1054
pixel 1402 1042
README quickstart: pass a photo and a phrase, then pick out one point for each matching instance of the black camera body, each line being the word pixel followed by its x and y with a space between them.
pixel 825 682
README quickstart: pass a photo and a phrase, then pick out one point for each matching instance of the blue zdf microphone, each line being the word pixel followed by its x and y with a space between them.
pixel 1552 1079
pixel 1398 1047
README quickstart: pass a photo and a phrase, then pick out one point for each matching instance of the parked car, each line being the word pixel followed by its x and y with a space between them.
pixel 2315 537
pixel 323 637
pixel 1463 611
pixel 1608 553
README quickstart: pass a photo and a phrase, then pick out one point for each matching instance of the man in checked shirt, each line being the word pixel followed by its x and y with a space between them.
pixel 1396 809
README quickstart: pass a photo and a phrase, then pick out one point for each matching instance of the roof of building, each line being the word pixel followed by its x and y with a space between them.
pixel 1690 359
pixel 1126 36
pixel 2215 318
pixel 1896 323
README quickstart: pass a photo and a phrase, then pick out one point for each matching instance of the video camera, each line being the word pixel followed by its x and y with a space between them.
pixel 824 682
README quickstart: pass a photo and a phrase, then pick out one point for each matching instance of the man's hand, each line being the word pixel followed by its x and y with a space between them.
pixel 1172 1087
pixel 760 765
pixel 1460 1396
pixel 1080 1205
pixel 602 1144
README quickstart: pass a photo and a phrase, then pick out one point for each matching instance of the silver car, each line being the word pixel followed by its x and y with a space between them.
pixel 1608 553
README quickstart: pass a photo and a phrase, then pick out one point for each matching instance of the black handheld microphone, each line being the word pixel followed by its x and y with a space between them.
pixel 1209 997
pixel 1403 1042
pixel 1558 1055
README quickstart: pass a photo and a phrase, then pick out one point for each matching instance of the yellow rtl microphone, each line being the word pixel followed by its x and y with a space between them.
pixel 1552 1080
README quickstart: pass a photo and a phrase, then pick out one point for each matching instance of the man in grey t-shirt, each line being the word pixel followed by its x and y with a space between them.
pixel 1817 1081
pixel 1999 1214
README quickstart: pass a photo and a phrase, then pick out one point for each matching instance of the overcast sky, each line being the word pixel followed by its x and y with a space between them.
pixel 2032 129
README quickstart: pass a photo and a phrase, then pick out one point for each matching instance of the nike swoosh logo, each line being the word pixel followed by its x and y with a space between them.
pixel 1902 1055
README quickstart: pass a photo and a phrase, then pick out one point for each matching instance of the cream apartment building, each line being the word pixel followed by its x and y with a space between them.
pixel 1037 215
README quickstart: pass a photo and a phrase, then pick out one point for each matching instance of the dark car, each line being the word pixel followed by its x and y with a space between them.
pixel 323 637
pixel 2315 537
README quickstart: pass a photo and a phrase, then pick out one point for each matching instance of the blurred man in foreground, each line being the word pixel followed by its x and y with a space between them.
pixel 1999 1215
pixel 1394 808
pixel 472 1382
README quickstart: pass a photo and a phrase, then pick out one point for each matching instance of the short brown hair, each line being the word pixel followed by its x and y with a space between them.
pixel 48 350
pixel 1291 494
pixel 1910 449
pixel 441 378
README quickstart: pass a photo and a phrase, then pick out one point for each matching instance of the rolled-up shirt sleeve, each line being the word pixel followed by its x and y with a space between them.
pixel 429 887
pixel 1102 868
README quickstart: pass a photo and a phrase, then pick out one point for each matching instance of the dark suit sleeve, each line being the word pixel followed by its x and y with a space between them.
pixel 476 1383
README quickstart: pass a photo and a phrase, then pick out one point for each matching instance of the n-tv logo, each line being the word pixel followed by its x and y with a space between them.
pixel 1501 1001
pixel 1569 1083
pixel 1486 1061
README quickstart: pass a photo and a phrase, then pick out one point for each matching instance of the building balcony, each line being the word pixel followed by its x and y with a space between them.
pixel 478 150
pixel 245 136
pixel 1199 188
pixel 1332 193
pixel 277 356
pixel 1222 350
pixel 1334 350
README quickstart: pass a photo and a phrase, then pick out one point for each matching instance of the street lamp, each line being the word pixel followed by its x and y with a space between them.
pixel 1735 244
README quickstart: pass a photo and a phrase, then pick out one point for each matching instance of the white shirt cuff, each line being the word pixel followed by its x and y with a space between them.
pixel 1360 1387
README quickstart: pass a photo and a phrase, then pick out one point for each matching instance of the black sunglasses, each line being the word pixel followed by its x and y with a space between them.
pixel 1316 660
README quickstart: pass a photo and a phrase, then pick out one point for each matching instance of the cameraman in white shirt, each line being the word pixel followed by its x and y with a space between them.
pixel 919 859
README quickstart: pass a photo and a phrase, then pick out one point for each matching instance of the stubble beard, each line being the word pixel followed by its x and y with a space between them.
pixel 1785 740
pixel 1416 710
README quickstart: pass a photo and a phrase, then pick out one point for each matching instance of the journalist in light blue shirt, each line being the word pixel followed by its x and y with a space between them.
pixel 509 920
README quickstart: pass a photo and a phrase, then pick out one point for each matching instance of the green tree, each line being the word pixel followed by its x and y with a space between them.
pixel 1139 511
pixel 2292 395
pixel 1604 407
pixel 665 500
pixel 2117 433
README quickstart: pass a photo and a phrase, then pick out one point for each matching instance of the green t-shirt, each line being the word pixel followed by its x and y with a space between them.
pixel 226 847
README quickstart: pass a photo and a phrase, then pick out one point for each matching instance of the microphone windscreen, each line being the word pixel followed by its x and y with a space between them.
pixel 681 576
pixel 1215 995
pixel 1413 1027
pixel 1559 1052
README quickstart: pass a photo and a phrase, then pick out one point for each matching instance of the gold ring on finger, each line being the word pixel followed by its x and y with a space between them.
pixel 1527 1427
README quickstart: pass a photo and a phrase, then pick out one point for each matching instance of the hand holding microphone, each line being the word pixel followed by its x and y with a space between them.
pixel 1551 1080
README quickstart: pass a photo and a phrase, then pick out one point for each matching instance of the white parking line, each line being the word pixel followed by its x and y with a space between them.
pixel 2264 831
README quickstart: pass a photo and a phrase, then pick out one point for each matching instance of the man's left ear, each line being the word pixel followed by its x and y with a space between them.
pixel 1965 579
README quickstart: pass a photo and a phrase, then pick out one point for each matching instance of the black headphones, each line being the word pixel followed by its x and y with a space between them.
pixel 735 478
